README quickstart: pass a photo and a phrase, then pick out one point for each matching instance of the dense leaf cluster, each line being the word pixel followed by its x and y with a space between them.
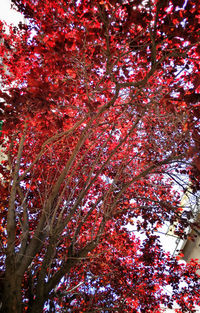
pixel 100 110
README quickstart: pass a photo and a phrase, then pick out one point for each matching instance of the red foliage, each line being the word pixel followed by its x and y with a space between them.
pixel 100 103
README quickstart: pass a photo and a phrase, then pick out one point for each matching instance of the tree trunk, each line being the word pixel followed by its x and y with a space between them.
pixel 37 306
pixel 11 295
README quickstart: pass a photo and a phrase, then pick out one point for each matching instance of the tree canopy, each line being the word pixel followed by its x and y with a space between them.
pixel 100 111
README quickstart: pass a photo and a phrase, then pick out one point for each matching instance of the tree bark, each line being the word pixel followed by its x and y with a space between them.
pixel 11 301
pixel 37 306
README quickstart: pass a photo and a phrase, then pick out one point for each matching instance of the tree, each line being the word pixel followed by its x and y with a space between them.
pixel 100 108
